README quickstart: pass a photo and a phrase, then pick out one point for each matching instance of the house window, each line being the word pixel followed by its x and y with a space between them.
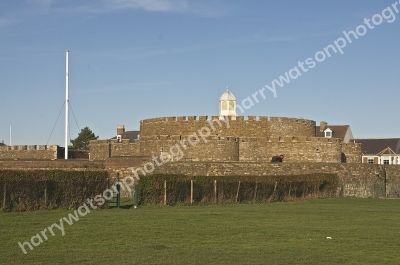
pixel 370 161
pixel 328 133
pixel 386 161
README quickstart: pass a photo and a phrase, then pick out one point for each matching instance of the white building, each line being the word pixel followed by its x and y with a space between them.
pixel 227 104
pixel 380 151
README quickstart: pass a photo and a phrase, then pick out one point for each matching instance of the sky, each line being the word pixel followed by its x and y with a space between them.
pixel 131 60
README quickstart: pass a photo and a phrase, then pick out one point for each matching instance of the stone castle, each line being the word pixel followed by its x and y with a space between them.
pixel 223 145
pixel 228 138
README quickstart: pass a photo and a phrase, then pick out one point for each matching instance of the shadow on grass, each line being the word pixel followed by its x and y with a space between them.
pixel 126 203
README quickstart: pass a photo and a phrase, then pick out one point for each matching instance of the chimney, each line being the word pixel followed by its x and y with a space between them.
pixel 322 125
pixel 120 129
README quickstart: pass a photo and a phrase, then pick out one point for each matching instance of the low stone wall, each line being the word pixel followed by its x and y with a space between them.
pixel 392 181
pixel 359 180
pixel 56 164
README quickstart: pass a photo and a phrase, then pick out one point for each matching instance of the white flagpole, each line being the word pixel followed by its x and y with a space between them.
pixel 66 107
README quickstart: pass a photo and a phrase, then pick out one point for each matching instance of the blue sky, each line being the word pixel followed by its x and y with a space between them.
pixel 130 60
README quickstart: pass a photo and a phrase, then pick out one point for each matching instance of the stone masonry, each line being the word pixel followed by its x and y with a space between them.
pixel 233 139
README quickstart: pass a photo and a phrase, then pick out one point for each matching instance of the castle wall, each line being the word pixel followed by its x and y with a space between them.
pixel 104 149
pixel 218 148
pixel 392 180
pixel 234 139
pixel 351 152
pixel 211 148
pixel 261 126
pixel 99 149
pixel 124 148
pixel 295 149
pixel 46 152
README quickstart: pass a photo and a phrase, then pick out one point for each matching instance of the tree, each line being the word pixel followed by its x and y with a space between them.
pixel 82 141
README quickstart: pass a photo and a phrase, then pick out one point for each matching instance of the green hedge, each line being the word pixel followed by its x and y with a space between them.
pixel 27 190
pixel 252 189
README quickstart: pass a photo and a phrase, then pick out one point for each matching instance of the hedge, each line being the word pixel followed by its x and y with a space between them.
pixel 28 190
pixel 233 189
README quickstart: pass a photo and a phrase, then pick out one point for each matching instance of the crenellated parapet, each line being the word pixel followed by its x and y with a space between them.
pixel 239 126
pixel 34 152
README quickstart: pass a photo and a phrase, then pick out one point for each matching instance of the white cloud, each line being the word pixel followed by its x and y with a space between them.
pixel 4 22
pixel 44 3
pixel 148 5
pixel 199 8
pixel 51 8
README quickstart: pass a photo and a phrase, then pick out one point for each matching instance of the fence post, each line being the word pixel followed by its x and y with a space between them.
pixel 255 192
pixel 191 191
pixel 273 193
pixel 135 195
pixel 165 192
pixel 4 195
pixel 45 194
pixel 215 191
pixel 237 193
pixel 118 192
pixel 290 187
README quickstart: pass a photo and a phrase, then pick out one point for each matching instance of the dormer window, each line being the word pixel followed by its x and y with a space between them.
pixel 328 133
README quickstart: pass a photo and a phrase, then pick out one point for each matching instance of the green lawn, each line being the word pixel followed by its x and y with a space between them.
pixel 363 231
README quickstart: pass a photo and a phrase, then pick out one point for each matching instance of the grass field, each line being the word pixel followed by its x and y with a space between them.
pixel 363 231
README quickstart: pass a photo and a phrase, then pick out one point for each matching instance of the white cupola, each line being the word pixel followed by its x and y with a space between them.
pixel 227 104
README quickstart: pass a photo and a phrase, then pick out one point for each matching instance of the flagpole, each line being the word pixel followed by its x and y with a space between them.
pixel 66 107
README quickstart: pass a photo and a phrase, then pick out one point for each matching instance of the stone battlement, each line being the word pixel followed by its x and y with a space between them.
pixel 236 126
pixel 231 118
pixel 182 137
pixel 27 147
pixel 292 139
pixel 29 152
